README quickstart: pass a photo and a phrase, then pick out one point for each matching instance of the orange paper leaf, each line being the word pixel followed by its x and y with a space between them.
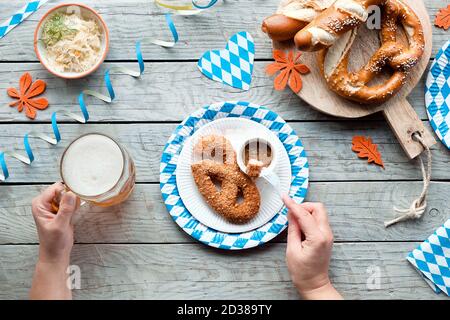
pixel 295 82
pixel 443 18
pixel 302 68
pixel 281 80
pixel 279 56
pixel 290 70
pixel 366 149
pixel 37 88
pixel 273 68
pixel 26 96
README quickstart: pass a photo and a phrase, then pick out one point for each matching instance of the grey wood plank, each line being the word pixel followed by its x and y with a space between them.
pixel 328 146
pixel 196 272
pixel 357 212
pixel 9 8
pixel 199 33
pixel 166 92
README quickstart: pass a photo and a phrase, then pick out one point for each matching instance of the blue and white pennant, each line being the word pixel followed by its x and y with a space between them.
pixel 17 18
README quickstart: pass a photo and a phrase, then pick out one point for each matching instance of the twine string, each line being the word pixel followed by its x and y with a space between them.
pixel 419 205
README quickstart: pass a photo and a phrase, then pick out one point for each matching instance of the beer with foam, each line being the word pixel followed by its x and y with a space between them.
pixel 98 170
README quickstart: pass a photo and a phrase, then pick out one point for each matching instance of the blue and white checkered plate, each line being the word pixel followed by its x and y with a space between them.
pixel 174 203
pixel 437 95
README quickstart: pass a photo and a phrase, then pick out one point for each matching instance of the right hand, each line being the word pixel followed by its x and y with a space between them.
pixel 308 252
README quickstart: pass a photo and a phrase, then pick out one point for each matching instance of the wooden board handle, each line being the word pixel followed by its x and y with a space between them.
pixel 404 121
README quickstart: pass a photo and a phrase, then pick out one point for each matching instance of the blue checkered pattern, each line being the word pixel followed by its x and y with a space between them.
pixel 174 203
pixel 432 258
pixel 30 8
pixel 437 91
pixel 233 65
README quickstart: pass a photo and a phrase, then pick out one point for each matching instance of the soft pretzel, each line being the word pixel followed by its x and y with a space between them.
pixel 333 61
pixel 233 183
pixel 292 16
pixel 219 164
pixel 331 24
pixel 334 31
pixel 214 147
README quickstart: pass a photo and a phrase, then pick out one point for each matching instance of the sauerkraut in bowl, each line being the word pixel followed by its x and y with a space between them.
pixel 71 41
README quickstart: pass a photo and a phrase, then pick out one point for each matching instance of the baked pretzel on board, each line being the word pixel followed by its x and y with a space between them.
pixel 333 31
pixel 334 22
pixel 233 182
pixel 334 61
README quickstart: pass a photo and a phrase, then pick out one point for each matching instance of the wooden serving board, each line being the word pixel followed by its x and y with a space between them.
pixel 398 112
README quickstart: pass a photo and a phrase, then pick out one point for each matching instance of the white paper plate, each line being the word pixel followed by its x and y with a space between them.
pixel 237 130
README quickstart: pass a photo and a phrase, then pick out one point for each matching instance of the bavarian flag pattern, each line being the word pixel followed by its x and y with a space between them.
pixel 17 18
pixel 437 91
pixel 171 197
pixel 432 259
pixel 233 65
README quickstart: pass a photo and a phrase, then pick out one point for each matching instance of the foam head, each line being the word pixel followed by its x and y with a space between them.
pixel 92 165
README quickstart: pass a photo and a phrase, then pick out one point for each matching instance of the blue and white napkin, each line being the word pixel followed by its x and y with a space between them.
pixel 437 94
pixel 432 259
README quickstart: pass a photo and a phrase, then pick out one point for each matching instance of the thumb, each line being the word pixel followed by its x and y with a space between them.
pixel 305 220
pixel 68 205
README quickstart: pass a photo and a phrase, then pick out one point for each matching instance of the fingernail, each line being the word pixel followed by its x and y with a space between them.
pixel 70 199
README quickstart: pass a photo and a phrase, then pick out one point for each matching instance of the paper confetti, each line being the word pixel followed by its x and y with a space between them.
pixel 180 10
pixel 83 118
pixel 18 17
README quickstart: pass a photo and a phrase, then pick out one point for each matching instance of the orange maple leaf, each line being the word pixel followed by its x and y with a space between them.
pixel 26 96
pixel 290 70
pixel 443 18
pixel 366 149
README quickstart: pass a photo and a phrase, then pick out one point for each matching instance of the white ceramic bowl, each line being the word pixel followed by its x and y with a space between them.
pixel 267 139
pixel 87 13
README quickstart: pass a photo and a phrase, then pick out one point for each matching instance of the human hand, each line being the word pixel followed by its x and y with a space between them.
pixel 55 230
pixel 308 252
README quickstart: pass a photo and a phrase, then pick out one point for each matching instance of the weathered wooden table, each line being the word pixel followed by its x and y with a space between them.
pixel 135 250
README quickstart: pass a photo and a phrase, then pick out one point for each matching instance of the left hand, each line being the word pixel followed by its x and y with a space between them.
pixel 55 230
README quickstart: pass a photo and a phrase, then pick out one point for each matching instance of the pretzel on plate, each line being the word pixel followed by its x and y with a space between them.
pixel 233 184
pixel 219 165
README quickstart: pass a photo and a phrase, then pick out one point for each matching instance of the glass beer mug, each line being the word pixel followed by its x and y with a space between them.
pixel 98 170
